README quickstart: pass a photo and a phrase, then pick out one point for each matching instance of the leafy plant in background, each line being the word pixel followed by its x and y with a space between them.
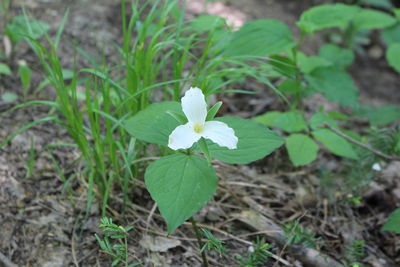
pixel 115 242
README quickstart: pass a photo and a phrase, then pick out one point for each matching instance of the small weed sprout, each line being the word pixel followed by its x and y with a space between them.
pixel 256 255
pixel 213 243
pixel 298 235
pixel 355 252
pixel 119 249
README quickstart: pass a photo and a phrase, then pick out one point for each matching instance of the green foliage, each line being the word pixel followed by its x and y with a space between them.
pixel 291 121
pixel 355 252
pixel 338 57
pixel 379 116
pixel 115 242
pixel 296 234
pixel 301 148
pixel 368 19
pixel 393 222
pixel 392 34
pixel 257 256
pixel 393 55
pixel 181 185
pixel 21 27
pixel 213 243
pixel 326 16
pixel 335 143
pixel 4 69
pixel 335 84
pixel 260 37
pixel 154 124
pixel 255 142
pixel 25 74
pixel 9 97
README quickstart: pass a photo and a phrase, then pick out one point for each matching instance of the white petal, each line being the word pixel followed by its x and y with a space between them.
pixel 220 133
pixel 194 106
pixel 183 137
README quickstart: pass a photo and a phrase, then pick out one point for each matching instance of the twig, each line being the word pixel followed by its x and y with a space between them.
pixel 367 147
pixel 309 256
pixel 6 261
pixel 198 236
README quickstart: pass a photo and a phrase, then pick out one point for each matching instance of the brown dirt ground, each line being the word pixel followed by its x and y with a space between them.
pixel 42 222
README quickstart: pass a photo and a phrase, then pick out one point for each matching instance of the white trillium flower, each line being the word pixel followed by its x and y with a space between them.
pixel 195 108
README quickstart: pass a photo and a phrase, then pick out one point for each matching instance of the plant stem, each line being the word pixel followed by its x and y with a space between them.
pixel 198 236
pixel 367 147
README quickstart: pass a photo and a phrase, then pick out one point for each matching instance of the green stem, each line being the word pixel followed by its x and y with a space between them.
pixel 198 236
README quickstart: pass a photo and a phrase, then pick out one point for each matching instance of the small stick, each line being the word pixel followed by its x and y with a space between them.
pixel 6 261
pixel 198 236
pixel 367 147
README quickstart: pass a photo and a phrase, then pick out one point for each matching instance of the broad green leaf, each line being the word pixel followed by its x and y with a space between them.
pixel 319 119
pixel 393 222
pixel 392 34
pixel 255 142
pixel 308 64
pixel 4 69
pixel 207 23
pixel 291 121
pixel 18 28
pixel 335 84
pixel 368 19
pixel 379 116
pixel 327 16
pixel 180 185
pixel 393 56
pixel 290 87
pixel 396 12
pixel 268 118
pixel 337 56
pixel 301 148
pixel 154 124
pixel 9 97
pixel 335 143
pixel 260 37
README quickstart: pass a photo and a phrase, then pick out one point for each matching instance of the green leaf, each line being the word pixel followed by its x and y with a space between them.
pixel 154 124
pixel 290 87
pixel 180 185
pixel 335 143
pixel 338 57
pixel 255 142
pixel 9 97
pixel 4 69
pixel 393 56
pixel 207 23
pixel 392 34
pixel 308 64
pixel 301 148
pixel 25 75
pixel 335 84
pixel 318 120
pixel 260 37
pixel 327 16
pixel 291 121
pixel 379 116
pixel 368 19
pixel 393 222
pixel 21 27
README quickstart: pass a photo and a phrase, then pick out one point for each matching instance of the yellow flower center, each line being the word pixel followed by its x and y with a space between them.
pixel 198 127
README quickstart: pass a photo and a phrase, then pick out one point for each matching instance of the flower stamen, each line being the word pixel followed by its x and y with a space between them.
pixel 198 127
